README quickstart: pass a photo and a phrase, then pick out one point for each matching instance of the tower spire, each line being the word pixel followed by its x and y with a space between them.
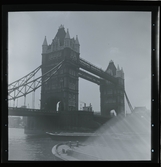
pixel 61 26
pixel 45 42
pixel 122 69
pixel 67 34
pixel 77 41
pixel 76 45
pixel 67 39
pixel 44 46
pixel 118 68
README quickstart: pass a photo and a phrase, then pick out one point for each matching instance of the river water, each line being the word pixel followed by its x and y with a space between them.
pixel 121 138
pixel 29 148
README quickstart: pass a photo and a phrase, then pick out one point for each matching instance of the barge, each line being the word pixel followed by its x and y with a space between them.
pixel 71 136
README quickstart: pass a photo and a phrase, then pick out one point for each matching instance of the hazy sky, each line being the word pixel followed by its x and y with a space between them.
pixel 124 37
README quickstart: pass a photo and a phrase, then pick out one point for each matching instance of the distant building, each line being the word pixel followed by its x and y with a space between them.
pixel 87 108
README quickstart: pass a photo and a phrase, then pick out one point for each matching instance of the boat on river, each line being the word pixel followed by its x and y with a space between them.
pixel 71 136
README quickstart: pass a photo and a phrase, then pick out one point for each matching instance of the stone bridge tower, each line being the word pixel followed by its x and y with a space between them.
pixel 60 93
pixel 112 96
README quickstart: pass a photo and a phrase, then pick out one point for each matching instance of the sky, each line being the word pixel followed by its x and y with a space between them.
pixel 124 37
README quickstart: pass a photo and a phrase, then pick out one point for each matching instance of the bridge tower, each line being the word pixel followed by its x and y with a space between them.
pixel 60 93
pixel 112 96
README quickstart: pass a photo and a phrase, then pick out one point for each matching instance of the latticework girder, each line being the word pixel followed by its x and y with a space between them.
pixel 31 86
pixel 14 85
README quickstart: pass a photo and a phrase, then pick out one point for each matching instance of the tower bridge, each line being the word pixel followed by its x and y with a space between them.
pixel 61 68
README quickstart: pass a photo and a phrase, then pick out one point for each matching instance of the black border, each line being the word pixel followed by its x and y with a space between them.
pixel 100 6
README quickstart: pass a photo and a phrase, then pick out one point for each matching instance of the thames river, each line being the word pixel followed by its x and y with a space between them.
pixel 107 147
pixel 121 138
pixel 29 148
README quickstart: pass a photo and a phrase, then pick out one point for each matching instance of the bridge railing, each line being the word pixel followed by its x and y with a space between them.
pixel 31 110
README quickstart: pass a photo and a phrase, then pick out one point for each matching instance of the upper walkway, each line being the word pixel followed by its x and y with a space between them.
pixel 97 71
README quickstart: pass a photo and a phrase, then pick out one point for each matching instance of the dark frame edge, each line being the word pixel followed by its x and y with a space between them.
pixel 154 86
pixel 4 86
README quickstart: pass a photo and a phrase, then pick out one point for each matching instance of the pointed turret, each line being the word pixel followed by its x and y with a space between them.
pixel 44 46
pixel 45 42
pixel 77 45
pixel 118 68
pixel 61 34
pixel 61 40
pixel 73 40
pixel 67 34
pixel 61 26
pixel 77 41
pixel 67 39
pixel 111 69
pixel 72 43
pixel 120 73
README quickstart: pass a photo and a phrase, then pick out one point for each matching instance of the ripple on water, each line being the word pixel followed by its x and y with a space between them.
pixel 24 147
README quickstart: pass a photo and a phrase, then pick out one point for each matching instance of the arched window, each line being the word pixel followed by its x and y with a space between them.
pixel 113 113
pixel 57 106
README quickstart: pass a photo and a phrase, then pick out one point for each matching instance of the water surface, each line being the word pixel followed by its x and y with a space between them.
pixel 25 147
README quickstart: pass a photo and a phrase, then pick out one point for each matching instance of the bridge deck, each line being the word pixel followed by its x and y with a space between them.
pixel 13 111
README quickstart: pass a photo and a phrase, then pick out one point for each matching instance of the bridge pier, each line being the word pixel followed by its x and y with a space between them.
pixel 112 95
pixel 112 98
pixel 40 124
pixel 71 120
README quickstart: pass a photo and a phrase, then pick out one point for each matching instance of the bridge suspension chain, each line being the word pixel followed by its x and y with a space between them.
pixel 33 95
pixel 128 102
pixel 14 85
pixel 30 86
